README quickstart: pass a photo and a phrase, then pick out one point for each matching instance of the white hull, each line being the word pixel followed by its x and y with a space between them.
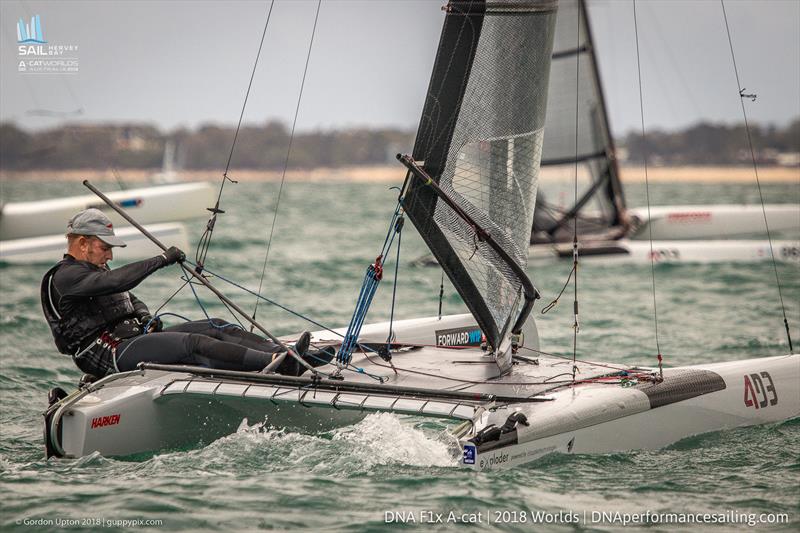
pixel 602 419
pixel 712 222
pixel 148 205
pixel 50 249
pixel 699 251
pixel 152 409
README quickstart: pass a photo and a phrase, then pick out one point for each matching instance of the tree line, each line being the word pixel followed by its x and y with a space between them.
pixel 715 144
pixel 264 147
pixel 135 146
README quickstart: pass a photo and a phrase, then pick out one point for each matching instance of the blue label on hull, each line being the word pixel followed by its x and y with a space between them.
pixel 469 454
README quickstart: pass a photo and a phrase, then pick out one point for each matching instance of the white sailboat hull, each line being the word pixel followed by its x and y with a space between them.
pixel 605 418
pixel 712 222
pixel 153 409
pixel 677 251
pixel 49 249
pixel 148 205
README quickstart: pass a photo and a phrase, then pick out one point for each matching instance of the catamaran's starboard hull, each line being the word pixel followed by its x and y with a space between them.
pixel 600 418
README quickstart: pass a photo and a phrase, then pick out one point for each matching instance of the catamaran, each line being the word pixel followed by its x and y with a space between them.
pixel 470 191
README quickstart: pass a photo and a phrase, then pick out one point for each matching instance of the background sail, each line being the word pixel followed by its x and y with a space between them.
pixel 601 203
pixel 480 139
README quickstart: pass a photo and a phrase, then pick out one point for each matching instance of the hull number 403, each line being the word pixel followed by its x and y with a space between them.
pixel 759 390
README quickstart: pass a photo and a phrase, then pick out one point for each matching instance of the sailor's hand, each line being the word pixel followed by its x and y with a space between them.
pixel 152 324
pixel 173 255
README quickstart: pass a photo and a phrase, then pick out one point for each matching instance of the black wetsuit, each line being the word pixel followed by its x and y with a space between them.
pixel 99 323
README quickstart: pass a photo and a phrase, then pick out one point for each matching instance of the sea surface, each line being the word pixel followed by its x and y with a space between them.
pixel 363 477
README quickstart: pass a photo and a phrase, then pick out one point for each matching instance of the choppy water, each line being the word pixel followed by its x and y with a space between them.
pixel 350 478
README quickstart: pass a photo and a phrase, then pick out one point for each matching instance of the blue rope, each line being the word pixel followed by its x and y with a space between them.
pixel 369 286
pixel 368 289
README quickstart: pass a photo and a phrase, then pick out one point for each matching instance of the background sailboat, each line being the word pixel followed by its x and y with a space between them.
pixel 607 227
pixel 33 231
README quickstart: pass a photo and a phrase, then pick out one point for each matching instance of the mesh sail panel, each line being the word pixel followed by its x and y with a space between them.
pixel 480 139
pixel 598 178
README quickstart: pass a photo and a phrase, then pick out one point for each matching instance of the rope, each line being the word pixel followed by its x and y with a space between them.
pixel 550 380
pixel 368 289
pixel 441 294
pixel 742 96
pixel 187 281
pixel 647 190
pixel 272 302
pixel 546 309
pixel 174 294
pixel 369 286
pixel 398 227
pixel 286 159
pixel 205 239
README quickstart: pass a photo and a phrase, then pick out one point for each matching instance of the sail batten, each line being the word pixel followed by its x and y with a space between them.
pixel 481 137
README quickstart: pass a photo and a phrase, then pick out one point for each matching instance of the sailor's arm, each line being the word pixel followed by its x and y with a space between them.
pixel 83 279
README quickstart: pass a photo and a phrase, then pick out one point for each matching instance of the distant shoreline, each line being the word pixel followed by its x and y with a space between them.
pixel 395 173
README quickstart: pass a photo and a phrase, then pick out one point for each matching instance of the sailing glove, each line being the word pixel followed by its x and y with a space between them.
pixel 173 255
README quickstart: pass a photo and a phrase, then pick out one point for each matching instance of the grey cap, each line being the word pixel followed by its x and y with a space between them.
pixel 93 222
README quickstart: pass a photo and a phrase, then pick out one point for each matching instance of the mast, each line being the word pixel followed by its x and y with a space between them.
pixel 479 141
pixel 614 183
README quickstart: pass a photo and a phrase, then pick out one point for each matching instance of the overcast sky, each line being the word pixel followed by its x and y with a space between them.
pixel 184 63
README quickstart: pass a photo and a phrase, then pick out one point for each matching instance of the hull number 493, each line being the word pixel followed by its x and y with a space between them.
pixel 759 390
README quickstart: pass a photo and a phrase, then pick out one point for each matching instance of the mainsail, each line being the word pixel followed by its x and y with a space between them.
pixel 600 206
pixel 480 140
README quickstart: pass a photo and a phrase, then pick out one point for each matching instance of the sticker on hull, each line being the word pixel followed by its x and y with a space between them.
pixel 469 454
pixel 103 421
pixel 469 336
pixel 759 391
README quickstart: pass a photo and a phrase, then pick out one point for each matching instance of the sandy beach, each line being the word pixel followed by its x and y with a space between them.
pixel 395 173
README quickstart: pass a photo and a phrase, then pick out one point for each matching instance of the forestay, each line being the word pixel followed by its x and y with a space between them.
pixel 480 139
pixel 600 203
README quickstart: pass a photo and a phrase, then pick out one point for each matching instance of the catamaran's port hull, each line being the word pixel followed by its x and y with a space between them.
pixel 609 418
pixel 173 410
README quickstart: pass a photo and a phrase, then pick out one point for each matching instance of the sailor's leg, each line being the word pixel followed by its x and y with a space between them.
pixel 224 331
pixel 190 349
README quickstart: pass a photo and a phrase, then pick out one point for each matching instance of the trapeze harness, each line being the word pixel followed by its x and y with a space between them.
pixel 95 326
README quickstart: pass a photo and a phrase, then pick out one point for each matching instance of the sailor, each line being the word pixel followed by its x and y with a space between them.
pixel 97 321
